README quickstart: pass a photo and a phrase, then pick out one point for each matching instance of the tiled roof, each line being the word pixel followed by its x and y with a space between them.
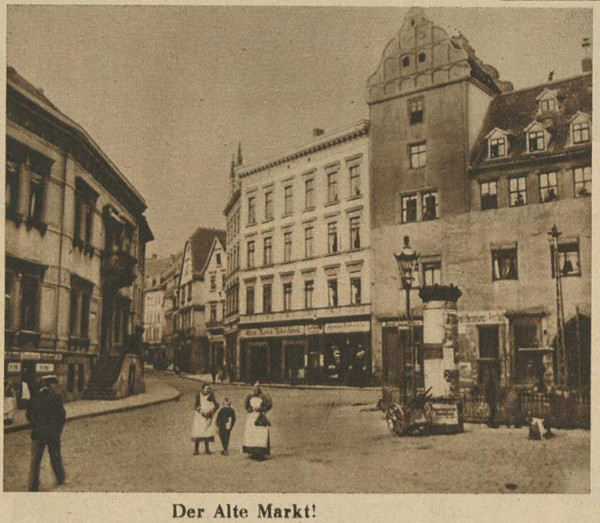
pixel 155 266
pixel 201 242
pixel 514 111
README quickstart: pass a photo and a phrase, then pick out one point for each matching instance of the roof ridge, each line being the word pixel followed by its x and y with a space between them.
pixel 546 84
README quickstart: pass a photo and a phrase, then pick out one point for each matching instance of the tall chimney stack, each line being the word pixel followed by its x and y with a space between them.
pixel 586 61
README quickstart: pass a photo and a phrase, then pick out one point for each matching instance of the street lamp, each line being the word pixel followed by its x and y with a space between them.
pixel 408 261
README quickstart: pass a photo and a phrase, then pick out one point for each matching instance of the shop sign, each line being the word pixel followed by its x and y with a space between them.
pixel 44 367
pixel 347 326
pixel 313 330
pixel 444 413
pixel 481 317
pixel 264 332
pixel 401 324
pixel 31 356
pixel 13 356
pixel 14 367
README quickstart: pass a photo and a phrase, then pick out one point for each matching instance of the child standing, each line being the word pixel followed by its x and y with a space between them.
pixel 225 423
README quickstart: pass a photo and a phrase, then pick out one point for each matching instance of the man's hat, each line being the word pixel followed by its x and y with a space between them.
pixel 49 378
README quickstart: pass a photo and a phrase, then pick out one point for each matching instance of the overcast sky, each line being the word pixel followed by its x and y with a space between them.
pixel 168 92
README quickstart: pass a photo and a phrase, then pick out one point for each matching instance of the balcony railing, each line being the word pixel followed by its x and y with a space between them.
pixel 119 268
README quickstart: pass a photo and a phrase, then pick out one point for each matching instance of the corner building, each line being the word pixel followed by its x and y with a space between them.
pixel 75 240
pixel 476 174
pixel 302 266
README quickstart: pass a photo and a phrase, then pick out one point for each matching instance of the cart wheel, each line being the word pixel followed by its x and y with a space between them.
pixel 395 419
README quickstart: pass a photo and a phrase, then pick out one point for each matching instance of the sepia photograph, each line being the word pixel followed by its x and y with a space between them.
pixel 293 249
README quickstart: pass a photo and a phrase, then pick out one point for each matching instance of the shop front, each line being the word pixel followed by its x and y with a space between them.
pixel 334 352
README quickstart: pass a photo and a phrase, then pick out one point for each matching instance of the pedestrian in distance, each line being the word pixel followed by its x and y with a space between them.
pixel 203 428
pixel 47 416
pixel 225 424
pixel 257 441
pixel 213 374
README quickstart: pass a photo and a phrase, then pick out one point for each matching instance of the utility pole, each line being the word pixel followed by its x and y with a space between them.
pixel 561 352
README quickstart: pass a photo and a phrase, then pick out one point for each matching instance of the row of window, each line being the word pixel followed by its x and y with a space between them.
pixel 427 210
pixel 309 194
pixel 333 243
pixel 537 139
pixel 548 188
pixel 308 288
pixel 505 264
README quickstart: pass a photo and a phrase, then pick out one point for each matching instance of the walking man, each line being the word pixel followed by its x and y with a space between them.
pixel 46 414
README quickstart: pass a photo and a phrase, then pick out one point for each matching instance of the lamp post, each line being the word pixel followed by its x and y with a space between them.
pixel 408 261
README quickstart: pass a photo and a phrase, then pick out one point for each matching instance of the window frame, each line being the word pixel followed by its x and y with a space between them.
pixel 250 254
pixel 287 246
pixel 545 186
pixel 309 193
pixel 251 210
pixel 269 212
pixel 417 153
pixel 584 126
pixel 287 295
pixel 496 253
pixel 488 195
pixel 431 267
pixel 539 134
pixel 424 209
pixel 518 191
pixel 355 237
pixel 250 303
pixel 355 286
pixel 267 251
pixel 416 110
pixel 309 247
pixel 309 289
pixel 562 250
pixel 497 144
pixel 288 200
pixel 354 173
pixel 404 198
pixel 332 292
pixel 332 187
pixel 333 244
pixel 585 184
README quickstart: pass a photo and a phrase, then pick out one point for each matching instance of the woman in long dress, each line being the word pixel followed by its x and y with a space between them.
pixel 257 441
pixel 203 428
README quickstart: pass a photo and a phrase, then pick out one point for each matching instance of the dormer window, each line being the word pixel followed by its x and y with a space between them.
pixel 498 147
pixel 536 141
pixel 497 144
pixel 547 102
pixel 537 137
pixel 580 128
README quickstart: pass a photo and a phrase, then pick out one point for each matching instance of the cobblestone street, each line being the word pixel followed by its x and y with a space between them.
pixel 322 441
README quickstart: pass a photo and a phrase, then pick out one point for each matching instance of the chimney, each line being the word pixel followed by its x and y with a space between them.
pixel 586 61
pixel 318 132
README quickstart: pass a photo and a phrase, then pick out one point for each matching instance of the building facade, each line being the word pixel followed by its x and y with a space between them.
pixel 477 174
pixel 199 303
pixel 302 262
pixel 154 296
pixel 75 238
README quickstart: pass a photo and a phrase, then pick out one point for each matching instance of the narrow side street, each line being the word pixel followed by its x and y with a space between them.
pixel 322 441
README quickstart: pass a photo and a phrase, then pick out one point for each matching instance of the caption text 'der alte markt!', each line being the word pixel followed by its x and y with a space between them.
pixel 234 511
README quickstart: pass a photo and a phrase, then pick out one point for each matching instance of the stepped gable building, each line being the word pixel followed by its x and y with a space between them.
pixel 75 237
pixel 154 295
pixel 199 303
pixel 300 264
pixel 477 174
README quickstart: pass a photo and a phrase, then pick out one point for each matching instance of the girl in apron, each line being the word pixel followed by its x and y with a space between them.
pixel 203 428
pixel 257 441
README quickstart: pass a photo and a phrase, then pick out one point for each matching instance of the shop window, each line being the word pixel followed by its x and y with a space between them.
pixel 355 291
pixel 489 195
pixel 332 236
pixel 308 242
pixel 548 187
pixel 332 191
pixel 430 205
pixel 568 258
pixel 355 180
pixel 249 300
pixel 71 378
pixel 267 298
pixel 309 287
pixel 517 188
pixel 418 155
pixel 409 208
pixel 287 246
pixel 332 288
pixel 415 110
pixel 504 264
pixel 81 377
pixel 287 200
pixel 583 181
pixel 355 233
pixel 287 296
